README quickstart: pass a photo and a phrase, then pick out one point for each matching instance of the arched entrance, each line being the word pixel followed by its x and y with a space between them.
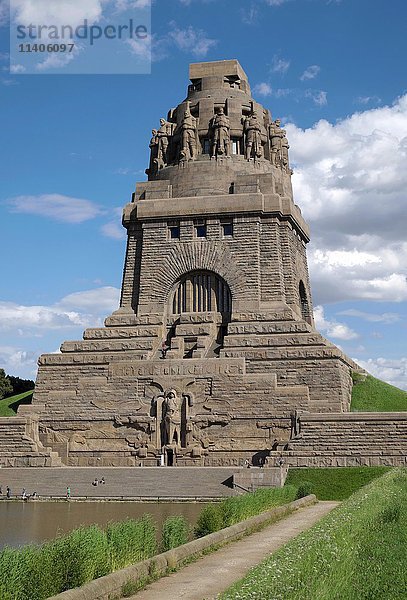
pixel 201 291
pixel 201 299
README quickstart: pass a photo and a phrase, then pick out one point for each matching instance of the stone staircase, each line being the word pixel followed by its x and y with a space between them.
pixel 20 445
pixel 123 483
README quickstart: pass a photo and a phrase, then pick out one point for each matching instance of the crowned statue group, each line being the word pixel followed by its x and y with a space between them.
pixel 173 142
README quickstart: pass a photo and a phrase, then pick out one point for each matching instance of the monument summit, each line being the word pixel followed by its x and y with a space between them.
pixel 212 358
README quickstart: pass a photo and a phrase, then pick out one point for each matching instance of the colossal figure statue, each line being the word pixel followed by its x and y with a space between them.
pixel 153 145
pixel 252 132
pixel 188 137
pixel 172 418
pixel 276 134
pixel 163 135
pixel 220 134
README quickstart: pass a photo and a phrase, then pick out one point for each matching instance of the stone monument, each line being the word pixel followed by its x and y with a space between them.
pixel 212 358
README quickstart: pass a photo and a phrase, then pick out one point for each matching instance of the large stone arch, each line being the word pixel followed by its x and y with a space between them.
pixel 198 256
pixel 200 291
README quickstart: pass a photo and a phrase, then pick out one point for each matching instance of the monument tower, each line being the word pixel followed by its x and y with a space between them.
pixel 213 352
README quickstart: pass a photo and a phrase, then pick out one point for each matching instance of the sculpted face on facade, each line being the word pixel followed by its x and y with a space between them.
pixel 216 273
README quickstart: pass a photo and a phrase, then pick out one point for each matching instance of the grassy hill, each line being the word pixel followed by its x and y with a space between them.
pixel 373 395
pixel 9 406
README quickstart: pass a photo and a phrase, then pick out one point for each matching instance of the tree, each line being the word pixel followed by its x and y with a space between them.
pixel 5 385
pixel 20 385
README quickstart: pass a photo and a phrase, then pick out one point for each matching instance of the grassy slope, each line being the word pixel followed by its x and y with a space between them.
pixel 335 484
pixel 357 552
pixel 8 406
pixel 372 395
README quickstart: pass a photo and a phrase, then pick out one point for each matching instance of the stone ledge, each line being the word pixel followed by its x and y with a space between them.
pixel 109 585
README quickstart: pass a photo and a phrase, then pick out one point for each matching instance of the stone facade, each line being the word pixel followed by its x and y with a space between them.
pixel 213 352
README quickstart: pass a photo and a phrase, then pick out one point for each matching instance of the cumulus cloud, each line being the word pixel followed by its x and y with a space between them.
pixel 72 12
pixel 319 97
pixel 55 206
pixel 350 180
pixel 394 371
pixel 16 360
pixel 332 329
pixel 79 309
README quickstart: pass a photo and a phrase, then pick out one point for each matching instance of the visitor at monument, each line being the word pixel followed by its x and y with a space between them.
pixel 95 482
pixel 8 492
pixel 23 495
pixel 102 481
pixel 164 349
pixel 68 492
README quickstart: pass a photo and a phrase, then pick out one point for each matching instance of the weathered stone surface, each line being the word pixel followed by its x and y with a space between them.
pixel 213 352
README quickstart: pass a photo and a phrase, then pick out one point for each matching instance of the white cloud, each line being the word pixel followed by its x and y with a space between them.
pixel 393 371
pixel 15 69
pixel 310 72
pixel 263 89
pixel 57 61
pixel 319 97
pixel 141 48
pixel 79 309
pixel 368 100
pixel 56 206
pixel 333 329
pixel 350 180
pixel 113 230
pixel 15 360
pixel 60 12
pixel 191 40
pixel 385 318
pixel 279 65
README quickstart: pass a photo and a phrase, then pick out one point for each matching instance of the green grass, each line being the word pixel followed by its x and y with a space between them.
pixel 337 483
pixel 238 508
pixel 38 572
pixel 372 395
pixel 357 552
pixel 8 406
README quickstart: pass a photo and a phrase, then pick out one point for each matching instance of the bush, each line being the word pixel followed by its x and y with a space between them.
pixel 209 520
pixel 175 533
pixel 304 489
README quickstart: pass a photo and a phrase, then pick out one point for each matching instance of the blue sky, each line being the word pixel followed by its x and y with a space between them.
pixel 73 147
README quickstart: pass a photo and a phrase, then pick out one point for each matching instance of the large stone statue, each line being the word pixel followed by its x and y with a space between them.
pixel 188 137
pixel 220 134
pixel 153 145
pixel 276 134
pixel 172 418
pixel 252 130
pixel 163 135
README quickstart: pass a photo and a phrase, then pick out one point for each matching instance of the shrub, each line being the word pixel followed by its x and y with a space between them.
pixel 209 520
pixel 175 532
pixel 304 489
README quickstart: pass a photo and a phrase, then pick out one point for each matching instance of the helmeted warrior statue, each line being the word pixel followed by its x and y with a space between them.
pixel 153 145
pixel 188 136
pixel 252 130
pixel 163 134
pixel 220 127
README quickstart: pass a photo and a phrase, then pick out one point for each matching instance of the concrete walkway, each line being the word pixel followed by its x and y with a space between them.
pixel 213 574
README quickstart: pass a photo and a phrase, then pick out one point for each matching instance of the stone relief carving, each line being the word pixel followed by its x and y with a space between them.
pixel 220 130
pixel 252 132
pixel 172 418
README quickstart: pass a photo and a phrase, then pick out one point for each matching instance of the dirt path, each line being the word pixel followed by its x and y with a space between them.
pixel 212 574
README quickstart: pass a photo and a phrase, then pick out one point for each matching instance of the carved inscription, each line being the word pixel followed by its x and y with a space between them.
pixel 191 367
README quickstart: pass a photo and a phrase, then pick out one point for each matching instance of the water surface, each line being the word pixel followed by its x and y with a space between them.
pixel 34 522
